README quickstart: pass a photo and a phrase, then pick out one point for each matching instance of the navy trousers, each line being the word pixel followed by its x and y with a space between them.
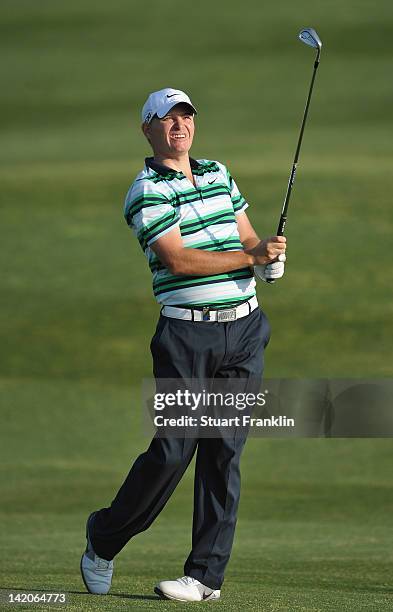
pixel 186 349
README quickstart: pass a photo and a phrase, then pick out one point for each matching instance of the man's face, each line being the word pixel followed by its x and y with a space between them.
pixel 173 134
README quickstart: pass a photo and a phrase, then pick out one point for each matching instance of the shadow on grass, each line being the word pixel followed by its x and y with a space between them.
pixel 127 596
pixel 372 588
pixel 121 595
pixel 51 590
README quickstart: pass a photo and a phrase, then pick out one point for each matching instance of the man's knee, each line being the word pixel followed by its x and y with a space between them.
pixel 170 454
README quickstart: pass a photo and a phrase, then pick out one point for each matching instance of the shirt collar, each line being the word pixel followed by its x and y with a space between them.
pixel 165 170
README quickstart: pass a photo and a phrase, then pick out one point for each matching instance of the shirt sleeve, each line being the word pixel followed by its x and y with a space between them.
pixel 149 213
pixel 238 201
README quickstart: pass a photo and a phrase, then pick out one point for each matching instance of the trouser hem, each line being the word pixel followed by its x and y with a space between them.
pixel 204 578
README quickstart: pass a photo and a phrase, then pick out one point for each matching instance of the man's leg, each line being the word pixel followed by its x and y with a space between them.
pixel 148 486
pixel 216 499
pixel 155 473
pixel 217 472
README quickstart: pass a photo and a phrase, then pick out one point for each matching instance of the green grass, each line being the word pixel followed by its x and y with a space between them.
pixel 314 529
pixel 77 312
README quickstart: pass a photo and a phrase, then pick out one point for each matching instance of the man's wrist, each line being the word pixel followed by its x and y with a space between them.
pixel 250 258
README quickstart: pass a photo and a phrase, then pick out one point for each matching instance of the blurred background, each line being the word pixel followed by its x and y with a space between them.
pixel 77 310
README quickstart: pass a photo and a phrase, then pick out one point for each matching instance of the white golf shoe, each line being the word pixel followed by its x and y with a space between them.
pixel 96 572
pixel 186 589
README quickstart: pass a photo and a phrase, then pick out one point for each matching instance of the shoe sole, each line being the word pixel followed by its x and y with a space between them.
pixel 80 565
pixel 83 578
pixel 163 596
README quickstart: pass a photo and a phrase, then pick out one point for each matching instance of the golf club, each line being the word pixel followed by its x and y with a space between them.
pixel 311 38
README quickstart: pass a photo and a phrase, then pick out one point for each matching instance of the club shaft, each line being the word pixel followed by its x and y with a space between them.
pixel 283 218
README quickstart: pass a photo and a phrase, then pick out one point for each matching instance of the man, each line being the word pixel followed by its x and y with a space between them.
pixel 190 220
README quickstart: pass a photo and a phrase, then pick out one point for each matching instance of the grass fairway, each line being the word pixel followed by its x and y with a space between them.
pixel 314 529
pixel 315 524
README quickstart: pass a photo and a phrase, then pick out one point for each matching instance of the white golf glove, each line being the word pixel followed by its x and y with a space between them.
pixel 271 271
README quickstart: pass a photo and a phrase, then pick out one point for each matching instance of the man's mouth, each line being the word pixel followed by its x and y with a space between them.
pixel 178 136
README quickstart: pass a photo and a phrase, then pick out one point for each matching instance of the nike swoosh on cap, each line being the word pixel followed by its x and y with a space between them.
pixel 171 96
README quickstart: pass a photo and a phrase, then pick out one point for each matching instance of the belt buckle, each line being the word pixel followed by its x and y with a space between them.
pixel 226 315
pixel 206 313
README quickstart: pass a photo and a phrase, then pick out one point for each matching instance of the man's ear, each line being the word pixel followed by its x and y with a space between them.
pixel 146 130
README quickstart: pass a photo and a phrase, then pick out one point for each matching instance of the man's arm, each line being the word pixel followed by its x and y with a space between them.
pixel 183 261
pixel 248 236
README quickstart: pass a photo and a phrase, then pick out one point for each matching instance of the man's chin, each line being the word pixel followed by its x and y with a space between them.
pixel 180 149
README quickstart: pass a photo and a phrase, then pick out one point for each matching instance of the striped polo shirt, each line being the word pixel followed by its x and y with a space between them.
pixel 161 199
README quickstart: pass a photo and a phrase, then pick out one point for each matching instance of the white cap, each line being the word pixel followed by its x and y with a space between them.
pixel 160 103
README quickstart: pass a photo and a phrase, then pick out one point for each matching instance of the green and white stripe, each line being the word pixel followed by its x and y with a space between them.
pixel 161 199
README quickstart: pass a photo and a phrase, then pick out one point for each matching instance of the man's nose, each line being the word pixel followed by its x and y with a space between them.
pixel 178 122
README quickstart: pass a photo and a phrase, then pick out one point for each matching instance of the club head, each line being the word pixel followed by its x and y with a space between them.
pixel 311 38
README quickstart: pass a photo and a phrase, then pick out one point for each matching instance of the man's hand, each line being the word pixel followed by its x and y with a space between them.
pixel 267 251
pixel 271 271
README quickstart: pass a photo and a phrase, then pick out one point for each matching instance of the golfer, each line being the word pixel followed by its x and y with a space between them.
pixel 190 220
